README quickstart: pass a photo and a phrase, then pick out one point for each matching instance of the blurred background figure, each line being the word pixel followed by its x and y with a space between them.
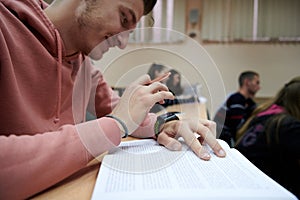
pixel 174 83
pixel 238 107
pixel 270 138
pixel 156 70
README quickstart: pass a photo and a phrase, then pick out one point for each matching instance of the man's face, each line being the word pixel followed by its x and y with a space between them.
pixel 159 73
pixel 253 85
pixel 106 23
pixel 176 79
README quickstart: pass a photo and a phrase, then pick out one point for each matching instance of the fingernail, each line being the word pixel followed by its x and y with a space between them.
pixel 205 156
pixel 221 152
pixel 175 146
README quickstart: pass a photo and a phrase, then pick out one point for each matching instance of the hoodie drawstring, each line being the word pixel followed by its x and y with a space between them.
pixel 59 74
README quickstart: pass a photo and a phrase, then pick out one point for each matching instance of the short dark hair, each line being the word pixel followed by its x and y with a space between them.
pixel 246 75
pixel 148 6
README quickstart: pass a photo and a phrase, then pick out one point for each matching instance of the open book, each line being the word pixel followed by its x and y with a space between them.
pixel 143 169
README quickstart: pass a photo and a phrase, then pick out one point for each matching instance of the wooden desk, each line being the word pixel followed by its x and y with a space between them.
pixel 81 184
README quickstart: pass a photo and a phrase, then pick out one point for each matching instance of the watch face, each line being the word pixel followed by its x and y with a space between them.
pixel 169 116
pixel 161 119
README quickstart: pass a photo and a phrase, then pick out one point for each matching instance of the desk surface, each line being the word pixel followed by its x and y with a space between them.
pixel 81 184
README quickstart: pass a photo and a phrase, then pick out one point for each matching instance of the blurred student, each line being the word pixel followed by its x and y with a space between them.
pixel 270 138
pixel 238 107
pixel 157 70
pixel 174 83
pixel 154 71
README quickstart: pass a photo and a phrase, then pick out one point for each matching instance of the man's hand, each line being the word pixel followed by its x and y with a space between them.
pixel 187 128
pixel 137 100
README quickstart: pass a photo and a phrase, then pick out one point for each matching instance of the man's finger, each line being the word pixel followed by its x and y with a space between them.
pixel 157 86
pixel 194 144
pixel 209 138
pixel 210 124
pixel 169 142
pixel 142 80
pixel 160 96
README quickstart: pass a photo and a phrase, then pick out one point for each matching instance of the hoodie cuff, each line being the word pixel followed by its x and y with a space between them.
pixel 100 135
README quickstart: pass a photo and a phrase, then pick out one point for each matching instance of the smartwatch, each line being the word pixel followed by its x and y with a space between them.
pixel 164 118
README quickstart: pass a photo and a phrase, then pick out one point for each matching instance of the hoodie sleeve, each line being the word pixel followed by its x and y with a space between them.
pixel 30 164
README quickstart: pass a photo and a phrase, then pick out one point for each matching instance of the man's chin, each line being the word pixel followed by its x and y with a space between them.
pixel 252 94
pixel 96 55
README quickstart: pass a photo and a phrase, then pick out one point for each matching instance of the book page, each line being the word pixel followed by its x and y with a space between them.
pixel 145 170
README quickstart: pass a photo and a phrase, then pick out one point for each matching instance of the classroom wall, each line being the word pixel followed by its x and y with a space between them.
pixel 276 63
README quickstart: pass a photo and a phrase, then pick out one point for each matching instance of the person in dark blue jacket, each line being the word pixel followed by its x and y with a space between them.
pixel 238 107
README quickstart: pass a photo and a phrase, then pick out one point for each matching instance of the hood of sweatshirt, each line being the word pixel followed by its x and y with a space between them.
pixel 35 56
pixel 30 13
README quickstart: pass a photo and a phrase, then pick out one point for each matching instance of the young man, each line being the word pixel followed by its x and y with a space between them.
pixel 238 107
pixel 47 83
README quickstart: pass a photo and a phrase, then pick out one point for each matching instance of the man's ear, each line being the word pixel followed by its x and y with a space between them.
pixel 246 82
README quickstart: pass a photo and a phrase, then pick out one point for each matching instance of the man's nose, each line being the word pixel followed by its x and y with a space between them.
pixel 123 39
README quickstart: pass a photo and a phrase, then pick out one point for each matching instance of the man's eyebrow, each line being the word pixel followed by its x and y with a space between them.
pixel 133 15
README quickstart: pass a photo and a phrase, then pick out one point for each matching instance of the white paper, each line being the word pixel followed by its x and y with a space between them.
pixel 145 170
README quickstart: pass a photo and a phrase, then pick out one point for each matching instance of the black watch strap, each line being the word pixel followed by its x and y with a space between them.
pixel 164 118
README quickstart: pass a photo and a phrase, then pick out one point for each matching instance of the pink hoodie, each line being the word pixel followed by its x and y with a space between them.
pixel 44 98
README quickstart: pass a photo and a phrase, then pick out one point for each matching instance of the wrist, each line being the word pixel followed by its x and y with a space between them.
pixel 164 118
pixel 122 125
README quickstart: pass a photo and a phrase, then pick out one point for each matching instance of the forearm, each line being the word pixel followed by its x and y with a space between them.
pixel 30 164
